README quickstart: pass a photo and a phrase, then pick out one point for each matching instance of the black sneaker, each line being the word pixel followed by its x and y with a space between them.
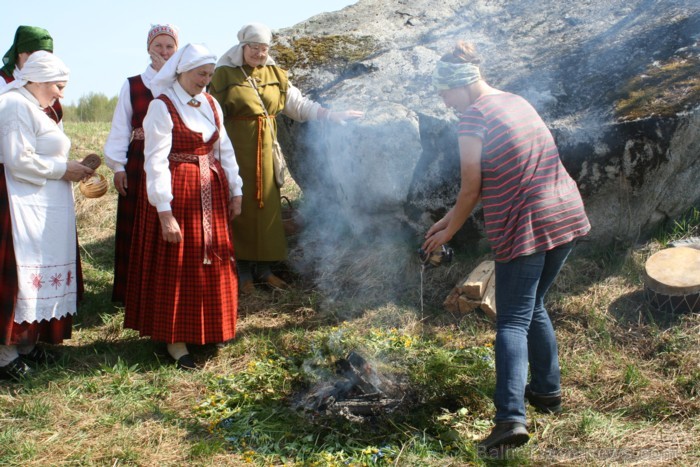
pixel 543 404
pixel 16 370
pixel 504 436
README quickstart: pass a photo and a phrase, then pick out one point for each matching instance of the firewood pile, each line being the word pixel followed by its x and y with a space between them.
pixel 477 290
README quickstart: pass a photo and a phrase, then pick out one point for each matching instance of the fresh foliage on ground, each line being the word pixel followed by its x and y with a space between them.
pixel 631 376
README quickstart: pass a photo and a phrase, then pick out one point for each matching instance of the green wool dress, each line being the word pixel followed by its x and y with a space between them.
pixel 257 233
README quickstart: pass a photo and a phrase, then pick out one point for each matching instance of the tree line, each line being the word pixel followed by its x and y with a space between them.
pixel 93 107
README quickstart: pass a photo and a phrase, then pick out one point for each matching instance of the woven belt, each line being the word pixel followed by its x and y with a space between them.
pixel 205 163
pixel 137 134
pixel 262 120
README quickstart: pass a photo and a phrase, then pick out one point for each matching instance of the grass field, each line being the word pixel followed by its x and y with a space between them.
pixel 631 376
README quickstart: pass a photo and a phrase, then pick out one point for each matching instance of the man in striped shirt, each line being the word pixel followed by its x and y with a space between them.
pixel 533 215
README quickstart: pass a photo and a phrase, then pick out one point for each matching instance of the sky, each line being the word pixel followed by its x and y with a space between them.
pixel 104 42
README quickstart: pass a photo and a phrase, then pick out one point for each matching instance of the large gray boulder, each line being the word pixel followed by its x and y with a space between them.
pixel 618 82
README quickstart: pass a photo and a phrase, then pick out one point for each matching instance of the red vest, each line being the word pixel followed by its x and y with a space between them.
pixel 141 96
pixel 185 140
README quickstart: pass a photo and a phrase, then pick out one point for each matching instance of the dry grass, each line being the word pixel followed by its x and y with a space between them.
pixel 631 377
pixel 663 90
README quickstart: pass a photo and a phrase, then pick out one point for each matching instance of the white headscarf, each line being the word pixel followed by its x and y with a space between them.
pixel 40 67
pixel 185 59
pixel 253 32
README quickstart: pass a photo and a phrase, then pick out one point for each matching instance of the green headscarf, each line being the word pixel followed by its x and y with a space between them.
pixel 454 75
pixel 27 39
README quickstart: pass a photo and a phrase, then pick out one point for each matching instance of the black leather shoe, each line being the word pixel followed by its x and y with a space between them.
pixel 186 363
pixel 16 370
pixel 504 436
pixel 543 404
pixel 41 356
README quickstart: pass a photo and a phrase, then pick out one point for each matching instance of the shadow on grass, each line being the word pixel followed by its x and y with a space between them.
pixel 634 308
pixel 97 260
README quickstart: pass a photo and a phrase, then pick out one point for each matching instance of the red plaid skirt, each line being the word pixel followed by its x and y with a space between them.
pixel 53 331
pixel 126 212
pixel 172 296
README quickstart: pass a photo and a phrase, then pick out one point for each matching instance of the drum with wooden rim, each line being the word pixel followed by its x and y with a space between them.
pixel 672 280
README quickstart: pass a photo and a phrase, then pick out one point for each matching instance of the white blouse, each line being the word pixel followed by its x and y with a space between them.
pixel 158 127
pixel 300 108
pixel 117 143
pixel 32 146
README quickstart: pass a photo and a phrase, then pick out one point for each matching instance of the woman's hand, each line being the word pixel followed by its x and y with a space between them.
pixel 120 182
pixel 437 234
pixel 342 117
pixel 234 207
pixel 436 240
pixel 439 225
pixel 157 61
pixel 170 227
pixel 75 172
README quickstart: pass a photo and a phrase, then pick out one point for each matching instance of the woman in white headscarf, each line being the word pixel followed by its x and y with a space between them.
pixel 258 233
pixel 124 146
pixel 39 263
pixel 182 285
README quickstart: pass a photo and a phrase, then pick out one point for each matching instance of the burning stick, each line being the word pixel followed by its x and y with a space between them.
pixel 359 385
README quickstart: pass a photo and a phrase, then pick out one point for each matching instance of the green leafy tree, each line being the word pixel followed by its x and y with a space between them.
pixel 93 107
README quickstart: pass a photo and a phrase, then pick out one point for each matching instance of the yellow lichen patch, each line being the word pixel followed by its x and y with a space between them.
pixel 335 51
pixel 663 90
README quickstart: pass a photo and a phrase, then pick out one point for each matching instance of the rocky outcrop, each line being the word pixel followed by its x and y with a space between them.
pixel 618 82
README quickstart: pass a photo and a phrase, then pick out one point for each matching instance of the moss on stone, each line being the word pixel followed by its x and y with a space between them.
pixel 313 51
pixel 663 90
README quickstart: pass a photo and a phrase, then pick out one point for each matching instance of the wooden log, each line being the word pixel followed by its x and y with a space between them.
pixel 451 302
pixel 466 304
pixel 488 303
pixel 672 280
pixel 474 285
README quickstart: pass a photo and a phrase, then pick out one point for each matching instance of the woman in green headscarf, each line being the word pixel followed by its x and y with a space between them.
pixel 29 39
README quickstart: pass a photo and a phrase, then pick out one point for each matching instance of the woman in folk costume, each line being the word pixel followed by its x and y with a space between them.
pixel 182 285
pixel 39 266
pixel 29 39
pixel 124 147
pixel 246 76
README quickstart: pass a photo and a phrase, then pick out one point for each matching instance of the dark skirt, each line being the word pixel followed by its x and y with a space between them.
pixel 126 214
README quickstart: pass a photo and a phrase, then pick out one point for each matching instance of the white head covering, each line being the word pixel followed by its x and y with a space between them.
pixel 40 67
pixel 185 59
pixel 253 32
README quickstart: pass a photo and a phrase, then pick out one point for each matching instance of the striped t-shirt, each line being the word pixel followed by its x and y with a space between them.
pixel 530 202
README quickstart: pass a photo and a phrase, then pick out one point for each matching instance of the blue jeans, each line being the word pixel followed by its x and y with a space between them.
pixel 524 333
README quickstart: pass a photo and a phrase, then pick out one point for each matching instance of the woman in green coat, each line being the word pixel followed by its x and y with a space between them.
pixel 245 80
